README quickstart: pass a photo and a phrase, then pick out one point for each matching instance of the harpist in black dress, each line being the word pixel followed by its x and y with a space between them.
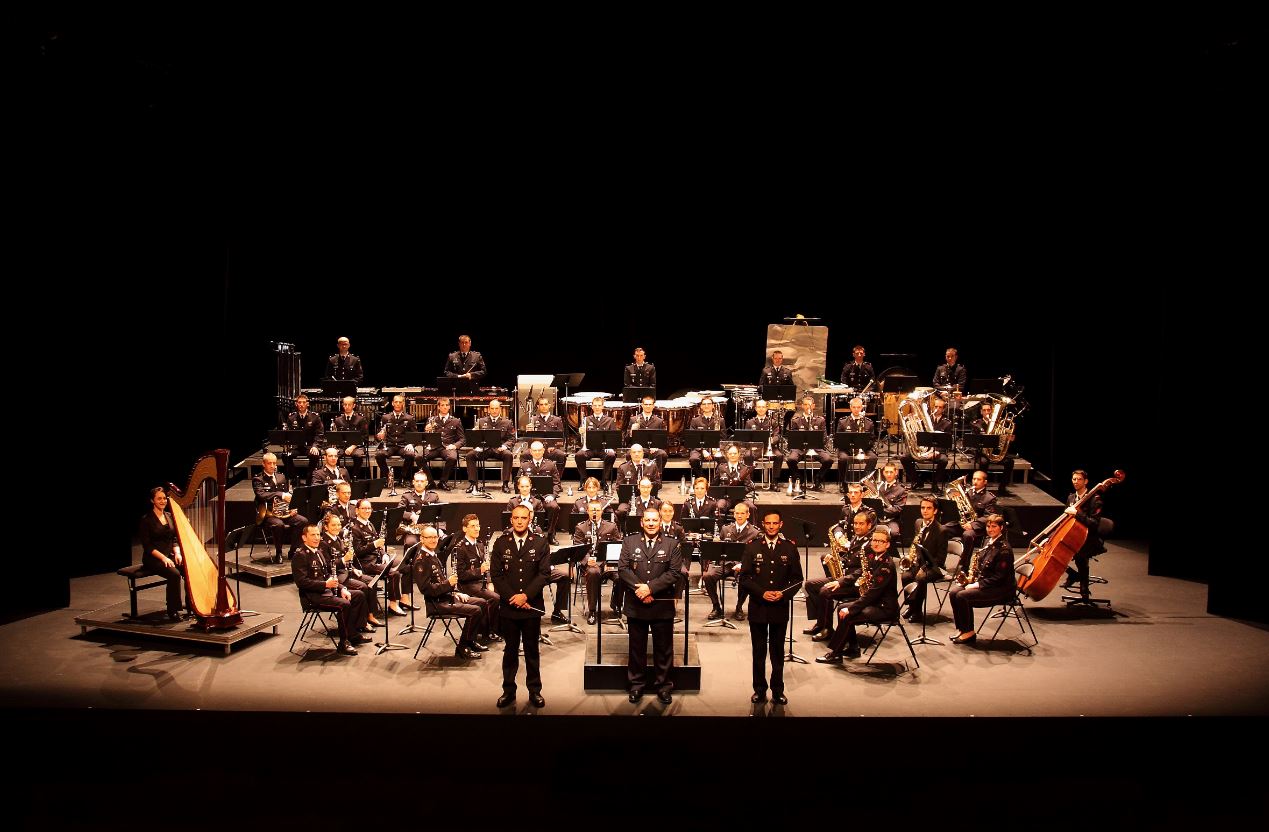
pixel 160 550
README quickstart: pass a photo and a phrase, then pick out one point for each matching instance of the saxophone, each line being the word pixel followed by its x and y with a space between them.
pixel 837 543
pixel 913 557
pixel 864 581
pixel 955 492
pixel 972 577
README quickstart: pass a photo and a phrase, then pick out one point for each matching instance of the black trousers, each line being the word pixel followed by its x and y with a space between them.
pixel 844 463
pixel 846 635
pixel 713 575
pixel 594 577
pixel 792 462
pixel 922 577
pixel 515 630
pixel 981 462
pixel 768 637
pixel 909 468
pixel 372 597
pixel 284 531
pixel 490 622
pixel 173 575
pixel 451 461
pixel 500 453
pixel 288 461
pixel 964 600
pixel 563 586
pixel 662 652
pixel 820 602
pixel 407 460
pixel 358 457
pixel 777 462
pixel 350 613
pixel 609 458
pixel 473 613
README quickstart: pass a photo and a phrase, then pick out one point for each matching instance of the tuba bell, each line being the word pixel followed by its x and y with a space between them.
pixel 914 417
pixel 1002 427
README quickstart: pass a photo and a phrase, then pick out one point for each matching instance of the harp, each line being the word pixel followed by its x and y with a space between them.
pixel 199 510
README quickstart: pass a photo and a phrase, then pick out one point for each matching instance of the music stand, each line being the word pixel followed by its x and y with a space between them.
pixel 309 496
pixel 733 494
pixel 631 525
pixel 407 559
pixel 699 525
pixel 716 552
pixel 637 394
pixel 899 383
pixel 806 441
pixel 387 644
pixel 981 441
pixel 600 440
pixel 567 380
pixel 542 485
pixel 546 437
pixel 778 392
pixel 455 387
pixel 285 438
pixel 808 531
pixel 339 387
pixel 571 555
pixel 941 442
pixel 485 439
pixel 948 513
pixel 650 438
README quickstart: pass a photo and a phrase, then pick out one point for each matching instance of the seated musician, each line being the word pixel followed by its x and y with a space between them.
pixel 806 420
pixel 591 532
pixel 371 554
pixel 471 564
pixel 930 544
pixel 639 502
pixel 699 503
pixel 773 422
pixel 981 460
pixel 330 474
pixel 854 501
pixel 641 373
pixel 857 372
pixel 343 507
pixel 878 599
pixel 941 424
pixel 856 422
pixel 984 503
pixel 543 419
pixel 442 598
pixel 989 579
pixel 732 472
pixel 466 362
pixel 274 495
pixel 851 537
pixel 350 419
pixel 311 439
pixel 740 531
pixel 538 466
pixel 161 549
pixel 413 501
pixel 343 364
pixel 335 546
pixel 524 497
pixel 589 493
pixel 893 496
pixel 1090 515
pixel 707 420
pixel 452 438
pixel 669 526
pixel 494 421
pixel 393 425
pixel 322 580
pixel 637 468
pixel 597 420
pixel 776 372
pixel 646 419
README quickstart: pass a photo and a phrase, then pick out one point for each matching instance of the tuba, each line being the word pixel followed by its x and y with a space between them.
pixel 914 417
pixel 1002 427
pixel 955 492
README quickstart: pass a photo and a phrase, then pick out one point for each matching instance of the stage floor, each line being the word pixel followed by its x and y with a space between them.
pixel 1156 652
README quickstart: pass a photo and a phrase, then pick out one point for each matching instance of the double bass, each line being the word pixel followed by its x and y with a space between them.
pixel 1051 550
pixel 199 511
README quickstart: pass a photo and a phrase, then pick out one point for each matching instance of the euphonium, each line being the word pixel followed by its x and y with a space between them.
pixel 955 492
pixel 914 417
pixel 869 485
pixel 1002 428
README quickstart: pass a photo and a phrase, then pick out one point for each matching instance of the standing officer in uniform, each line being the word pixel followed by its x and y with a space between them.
pixel 350 419
pixel 520 564
pixel 452 438
pixel 776 372
pixel 494 421
pixel 857 372
pixel 770 571
pixel 394 424
pixel 641 373
pixel 649 566
pixel 343 364
pixel 313 436
pixel 466 363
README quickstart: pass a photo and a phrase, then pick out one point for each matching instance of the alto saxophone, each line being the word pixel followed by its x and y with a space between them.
pixel 833 560
pixel 913 557
pixel 864 581
pixel 972 577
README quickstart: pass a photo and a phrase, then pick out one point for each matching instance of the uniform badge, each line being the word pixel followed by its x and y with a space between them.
pixel 758 558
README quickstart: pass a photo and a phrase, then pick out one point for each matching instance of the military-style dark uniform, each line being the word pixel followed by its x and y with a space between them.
pixel 724 474
pixel 325 476
pixel 981 461
pixel 653 422
pixel 695 455
pixel 772 374
pixel 395 424
pixel 346 512
pixel 333 549
pixel 1090 515
pixel 714 572
pixel 657 563
pixel 879 604
pixel 857 375
pixel 344 367
pixel 996 582
pixel 641 375
pixel 773 424
pixel 412 503
pixel 580 457
pixel 594 573
pixel 705 508
pixel 630 473
pixel 819 600
pixel 452 433
pixel 266 487
pixel 432 579
pixel 364 534
pixel 501 452
pixel 949 375
pixel 310 568
pixel 310 442
pixel 984 503
pixel 801 422
pixel 943 425
pixel 636 507
pixel 893 496
pixel 467 557
pixel 931 554
pixel 520 566
pixel 360 424
pixel 849 424
pixel 769 566
pixel 462 363
pixel 554 448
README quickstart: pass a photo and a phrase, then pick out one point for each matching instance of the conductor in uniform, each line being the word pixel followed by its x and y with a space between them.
pixel 466 362
pixel 520 564
pixel 343 364
pixel 649 566
pixel 641 373
pixel 770 571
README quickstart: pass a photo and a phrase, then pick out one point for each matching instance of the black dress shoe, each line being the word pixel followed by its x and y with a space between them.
pixel 467 653
pixel 410 606
pixel 494 637
pixel 536 700
pixel 758 697
pixel 821 635
pixel 810 631
pixel 392 612
pixel 715 614
pixel 345 649
pixel 739 615
pixel 829 658
pixel 558 617
pixel 506 700
pixel 780 699
pixel 970 639
pixel 478 647
pixel 664 697
pixel 446 487
pixel 367 628
pixel 851 653
pixel 635 696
